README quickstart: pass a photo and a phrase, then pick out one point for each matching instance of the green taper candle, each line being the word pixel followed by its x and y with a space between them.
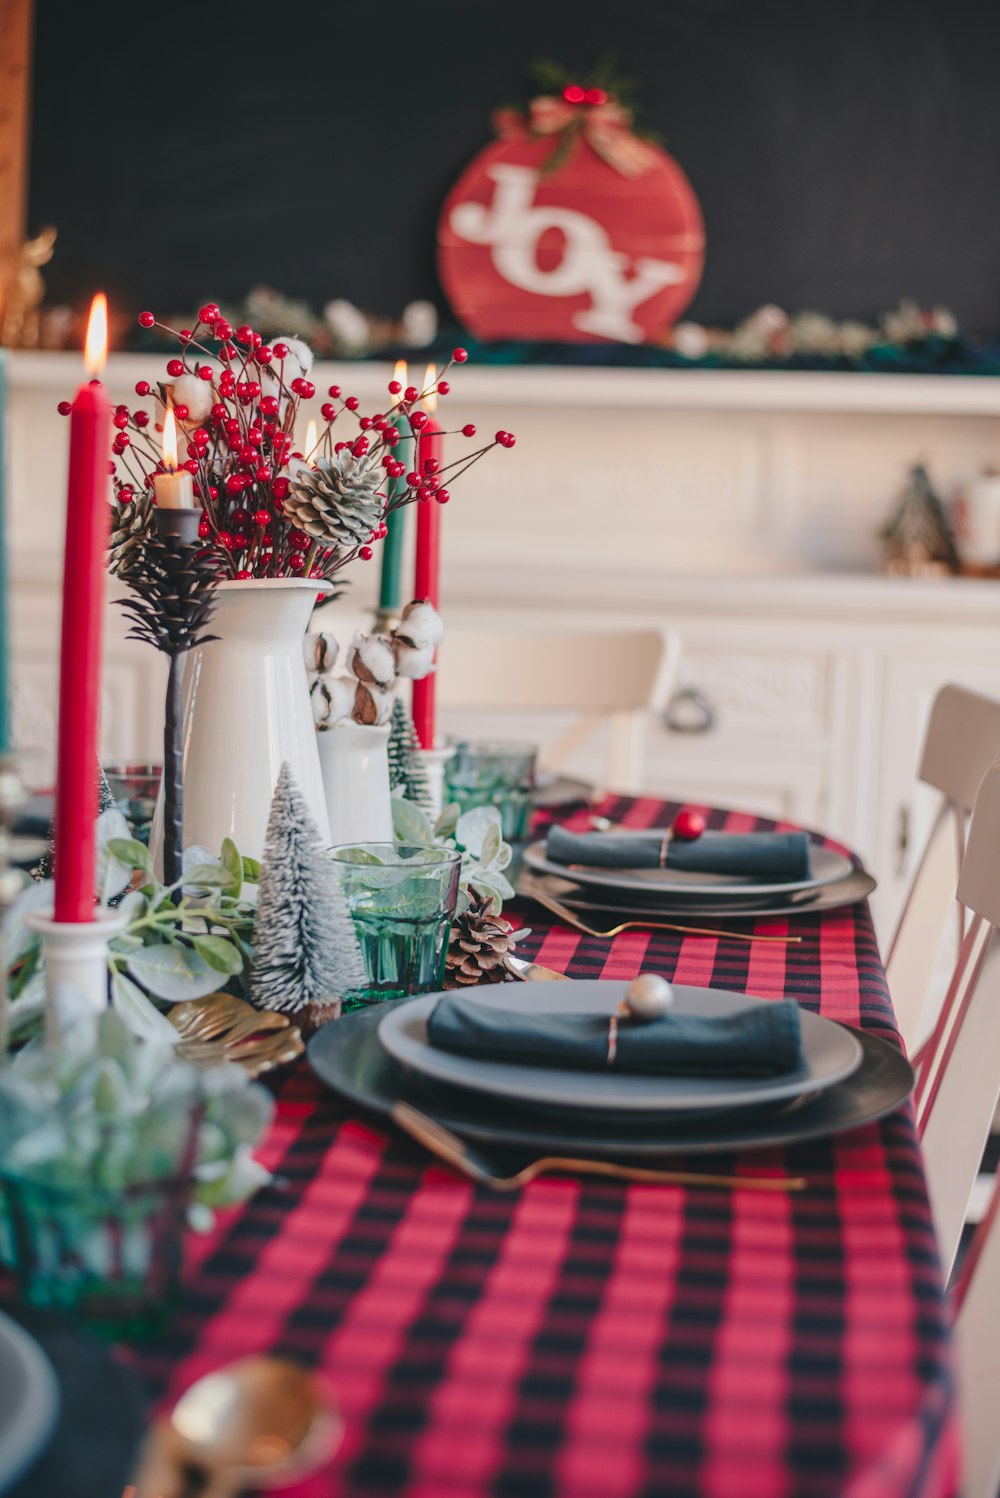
pixel 390 595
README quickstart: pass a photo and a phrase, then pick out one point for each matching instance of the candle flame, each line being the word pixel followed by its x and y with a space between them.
pixel 400 373
pixel 312 441
pixel 95 347
pixel 430 384
pixel 170 441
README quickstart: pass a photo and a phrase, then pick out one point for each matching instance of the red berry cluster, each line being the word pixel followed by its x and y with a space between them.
pixel 240 454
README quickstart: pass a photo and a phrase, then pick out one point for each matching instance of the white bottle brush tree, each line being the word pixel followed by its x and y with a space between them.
pixel 306 952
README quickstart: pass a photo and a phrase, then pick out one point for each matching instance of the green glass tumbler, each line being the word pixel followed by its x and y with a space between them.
pixel 496 774
pixel 402 900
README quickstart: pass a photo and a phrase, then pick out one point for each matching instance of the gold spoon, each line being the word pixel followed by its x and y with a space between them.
pixel 534 893
pixel 447 1146
pixel 251 1424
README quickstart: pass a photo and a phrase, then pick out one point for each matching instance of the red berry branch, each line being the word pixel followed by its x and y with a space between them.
pixel 236 405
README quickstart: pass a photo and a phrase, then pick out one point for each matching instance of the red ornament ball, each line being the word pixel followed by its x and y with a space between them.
pixel 146 320
pixel 688 825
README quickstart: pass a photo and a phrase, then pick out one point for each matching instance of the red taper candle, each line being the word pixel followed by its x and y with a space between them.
pixel 427 564
pixel 87 523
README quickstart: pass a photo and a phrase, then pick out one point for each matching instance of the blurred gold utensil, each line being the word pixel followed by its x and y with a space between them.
pixel 557 908
pixel 447 1146
pixel 220 1028
pixel 251 1424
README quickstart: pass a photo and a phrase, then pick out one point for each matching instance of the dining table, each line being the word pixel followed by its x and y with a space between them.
pixel 594 1338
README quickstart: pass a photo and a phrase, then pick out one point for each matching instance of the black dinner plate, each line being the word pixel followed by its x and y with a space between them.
pixel 347 1056
pixel 847 891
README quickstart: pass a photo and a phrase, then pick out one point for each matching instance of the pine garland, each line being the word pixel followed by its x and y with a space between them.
pixel 406 768
pixel 305 948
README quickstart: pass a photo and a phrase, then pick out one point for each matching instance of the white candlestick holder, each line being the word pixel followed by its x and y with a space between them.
pixel 75 959
pixel 434 761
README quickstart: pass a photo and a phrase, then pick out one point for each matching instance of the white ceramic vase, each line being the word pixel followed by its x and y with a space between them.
pixel 354 760
pixel 246 711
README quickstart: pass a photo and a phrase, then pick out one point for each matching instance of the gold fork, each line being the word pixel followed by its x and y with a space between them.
pixel 447 1146
pixel 534 893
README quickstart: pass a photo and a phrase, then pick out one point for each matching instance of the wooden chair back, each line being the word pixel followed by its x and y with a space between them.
pixel 962 740
pixel 608 676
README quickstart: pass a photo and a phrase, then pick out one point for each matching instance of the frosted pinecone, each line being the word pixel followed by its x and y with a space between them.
pixel 337 501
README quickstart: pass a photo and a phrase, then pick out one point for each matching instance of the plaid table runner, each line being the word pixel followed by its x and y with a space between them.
pixel 588 1339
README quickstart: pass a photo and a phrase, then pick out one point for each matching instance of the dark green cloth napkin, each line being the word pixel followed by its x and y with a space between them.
pixel 762 1040
pixel 776 855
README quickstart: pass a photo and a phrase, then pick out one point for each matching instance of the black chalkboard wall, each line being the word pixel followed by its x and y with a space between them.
pixel 846 152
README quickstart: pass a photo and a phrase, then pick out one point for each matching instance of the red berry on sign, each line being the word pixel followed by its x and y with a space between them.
pixel 460 355
pixel 468 430
pixel 146 319
pixel 143 387
pixel 64 408
pixel 366 553
pixel 688 825
pixel 175 368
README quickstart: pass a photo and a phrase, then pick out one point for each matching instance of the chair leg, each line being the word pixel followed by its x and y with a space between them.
pixel 977 1328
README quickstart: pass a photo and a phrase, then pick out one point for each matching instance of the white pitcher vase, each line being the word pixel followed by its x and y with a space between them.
pixel 354 759
pixel 246 711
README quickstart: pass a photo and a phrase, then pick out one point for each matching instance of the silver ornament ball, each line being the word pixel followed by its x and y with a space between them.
pixel 648 997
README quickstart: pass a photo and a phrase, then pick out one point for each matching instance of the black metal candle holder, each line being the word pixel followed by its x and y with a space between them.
pixel 172 577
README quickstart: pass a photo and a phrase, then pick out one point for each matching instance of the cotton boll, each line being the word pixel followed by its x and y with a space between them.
pixel 194 393
pixel 414 662
pixel 319 700
pixel 372 705
pixel 420 324
pixel 320 651
pixel 371 660
pixel 341 691
pixel 421 624
pixel 347 324
pixel 691 340
pixel 299 359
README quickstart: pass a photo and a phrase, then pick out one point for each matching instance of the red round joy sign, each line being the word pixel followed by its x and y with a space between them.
pixel 581 255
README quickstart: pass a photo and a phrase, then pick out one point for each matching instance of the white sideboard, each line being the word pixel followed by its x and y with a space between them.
pixel 739 509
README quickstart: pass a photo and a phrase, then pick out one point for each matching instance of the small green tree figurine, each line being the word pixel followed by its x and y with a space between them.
pixel 406 769
pixel 305 948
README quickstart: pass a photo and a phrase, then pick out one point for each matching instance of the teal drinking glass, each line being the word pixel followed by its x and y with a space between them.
pixel 402 900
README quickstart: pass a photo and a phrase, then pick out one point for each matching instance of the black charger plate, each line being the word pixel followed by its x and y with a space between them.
pixel 847 891
pixel 348 1057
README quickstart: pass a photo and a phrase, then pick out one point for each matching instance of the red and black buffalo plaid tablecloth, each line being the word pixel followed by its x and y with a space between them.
pixel 591 1339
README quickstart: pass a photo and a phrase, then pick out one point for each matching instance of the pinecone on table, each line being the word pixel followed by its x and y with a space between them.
pixel 337 501
pixel 480 946
pixel 129 524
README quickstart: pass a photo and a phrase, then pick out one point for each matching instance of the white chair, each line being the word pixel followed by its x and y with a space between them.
pixel 609 676
pixel 977 1329
pixel 962 740
pixel 957 1093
